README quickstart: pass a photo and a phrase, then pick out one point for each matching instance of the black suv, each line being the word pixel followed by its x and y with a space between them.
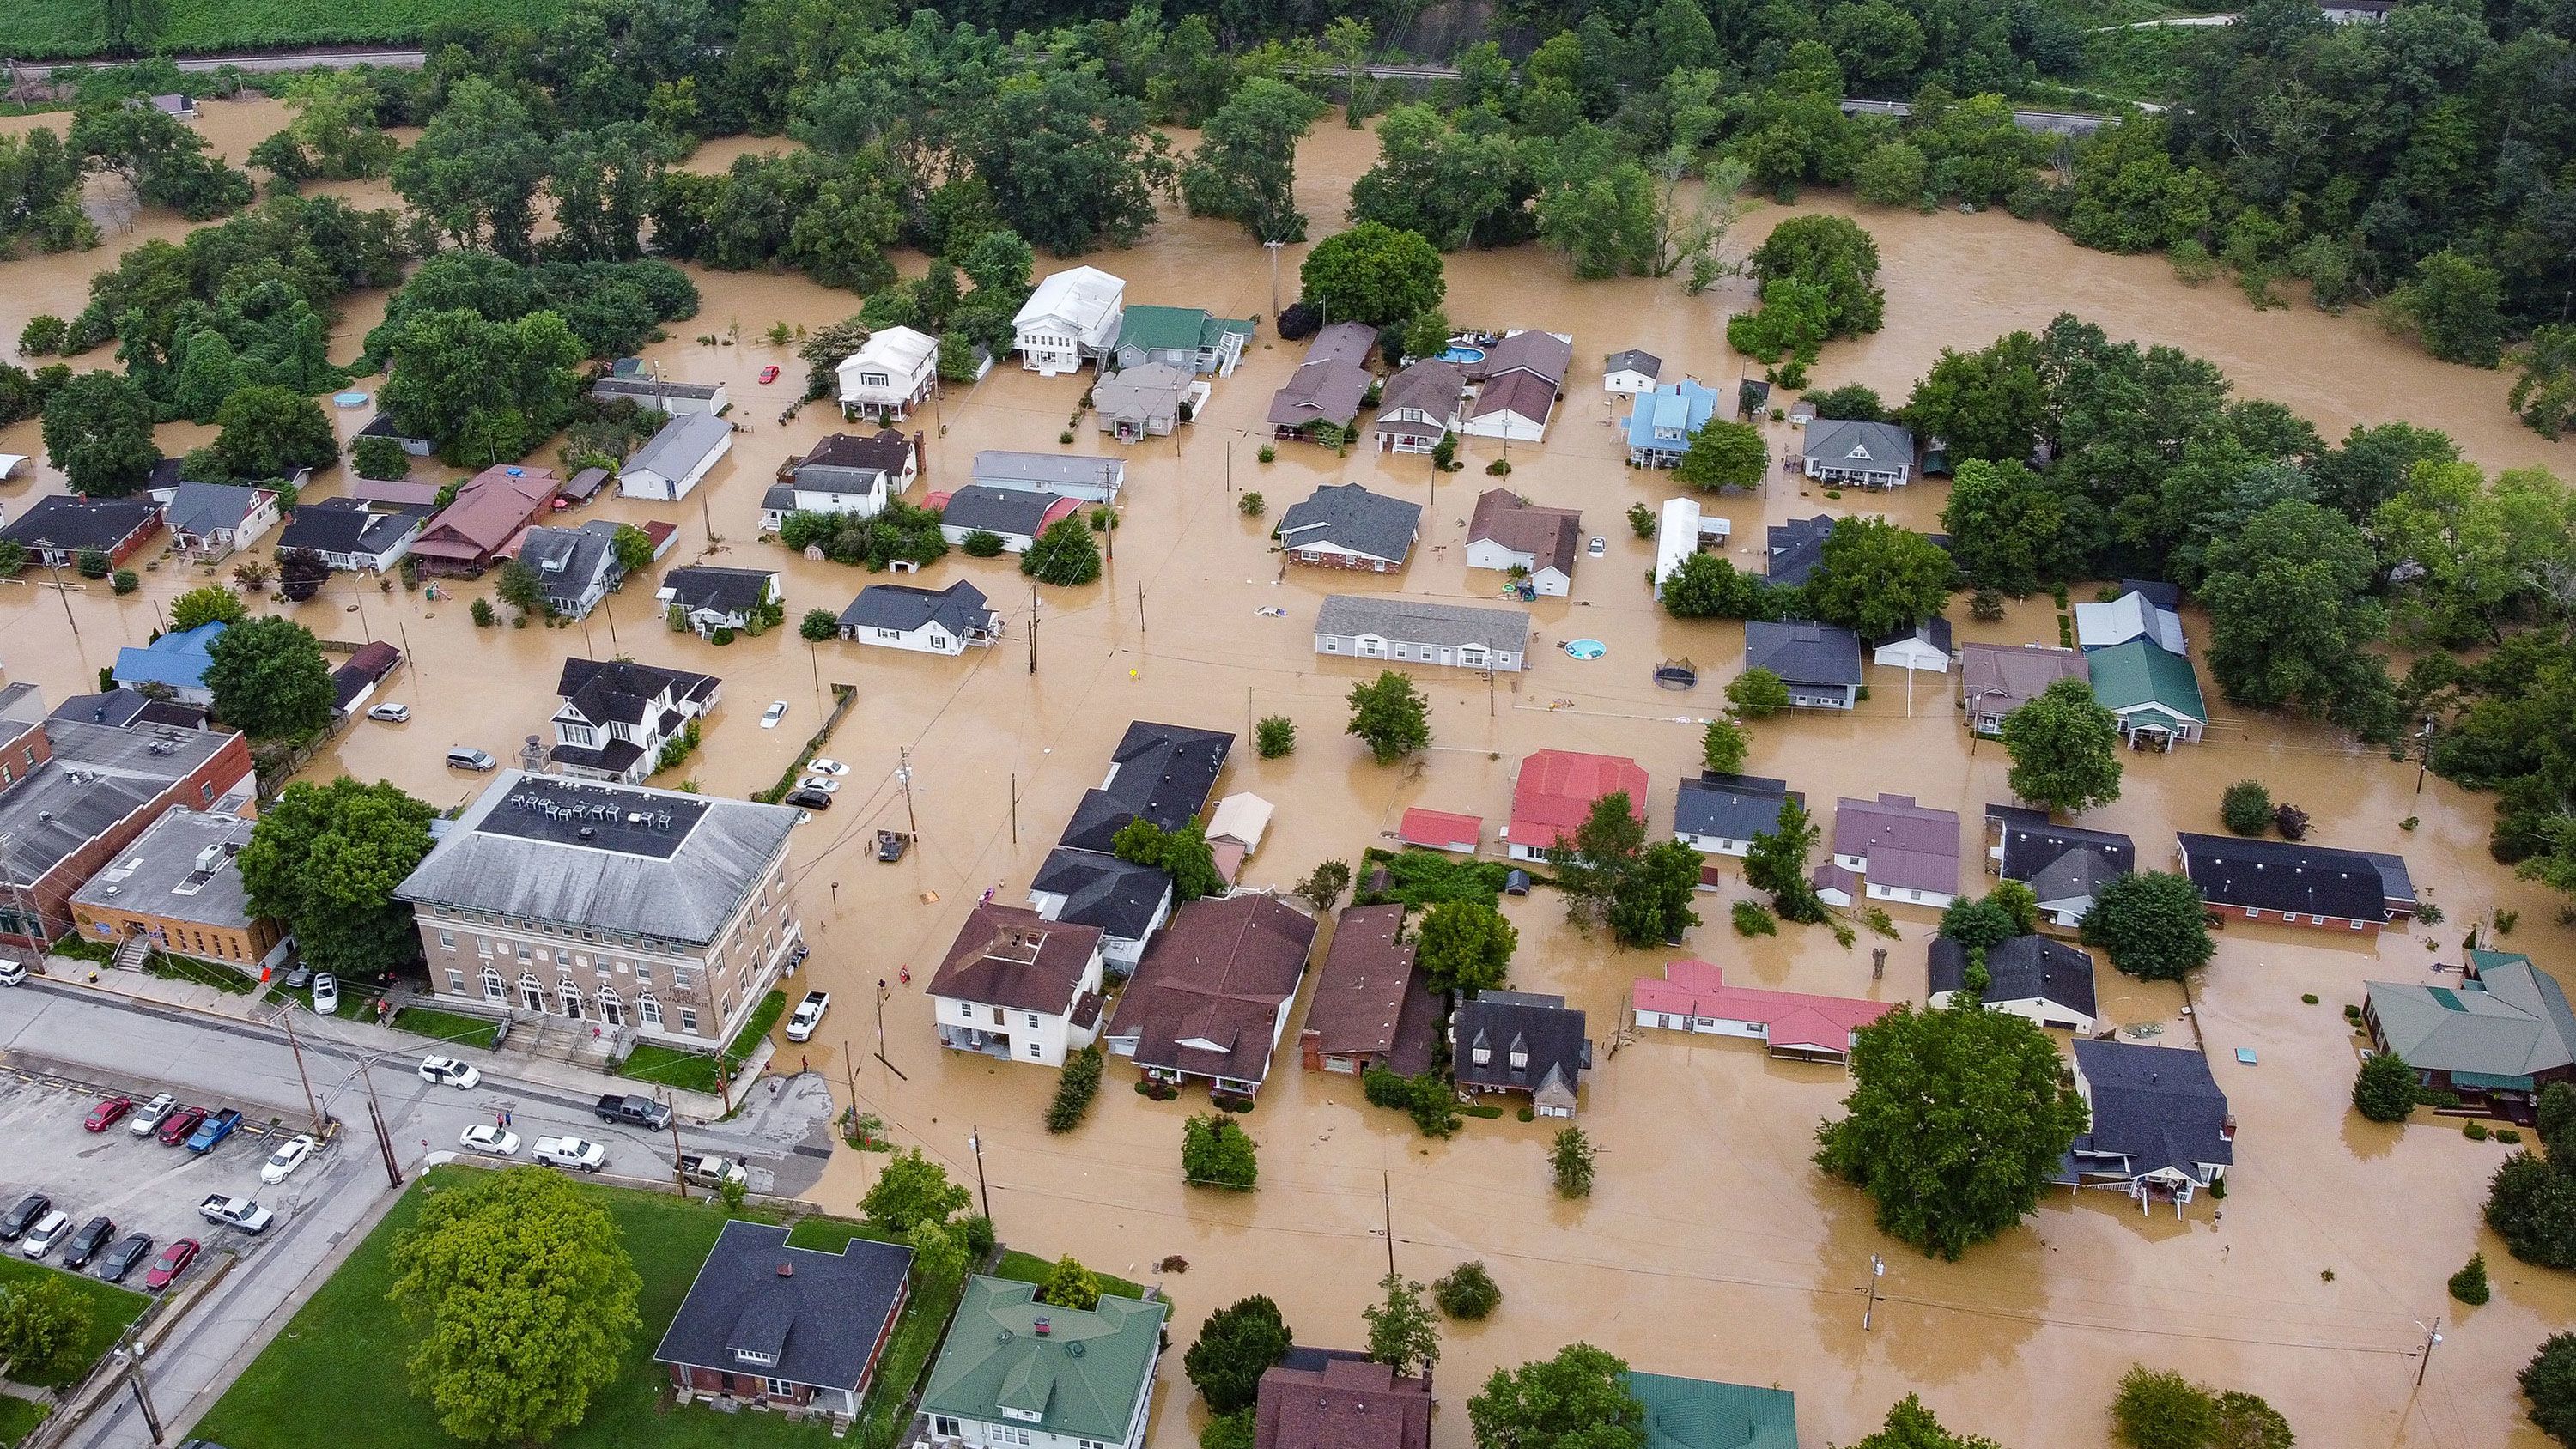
pixel 85 1244
pixel 15 1222
pixel 129 1253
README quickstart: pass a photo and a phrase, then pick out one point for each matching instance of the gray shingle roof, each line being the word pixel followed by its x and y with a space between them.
pixel 1802 652
pixel 2025 968
pixel 999 510
pixel 203 508
pixel 1163 773
pixel 1118 896
pixel 1419 621
pixel 818 1315
pixel 1731 807
pixel 683 443
pixel 960 608
pixel 2059 862
pixel 1634 360
pixel 1349 516
pixel 718 590
pixel 2156 1106
pixel 76 523
pixel 1848 443
pixel 1795 548
pixel 1544 1026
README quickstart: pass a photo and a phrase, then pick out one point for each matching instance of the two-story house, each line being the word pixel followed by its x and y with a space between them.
pixel 1419 406
pixel 1018 987
pixel 1210 998
pixel 576 567
pixel 617 715
pixel 1015 1373
pixel 703 598
pixel 353 535
pixel 1659 431
pixel 844 473
pixel 1070 318
pixel 891 374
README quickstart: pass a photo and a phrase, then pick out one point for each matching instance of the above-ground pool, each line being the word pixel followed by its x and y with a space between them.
pixel 1463 354
pixel 1586 648
pixel 348 399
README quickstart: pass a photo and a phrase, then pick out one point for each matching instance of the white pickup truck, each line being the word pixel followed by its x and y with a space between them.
pixel 235 1212
pixel 573 1152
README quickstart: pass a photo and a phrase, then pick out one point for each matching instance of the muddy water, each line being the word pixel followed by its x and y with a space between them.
pixel 1710 1246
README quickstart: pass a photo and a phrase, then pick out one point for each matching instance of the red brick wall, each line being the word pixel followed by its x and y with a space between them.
pixel 2342 925
pixel 52 894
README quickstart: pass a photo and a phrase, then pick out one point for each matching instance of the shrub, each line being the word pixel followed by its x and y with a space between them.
pixel 2246 808
pixel 1428 1098
pixel 1268 454
pixel 1065 437
pixel 1252 505
pixel 2163 1410
pixel 1070 1285
pixel 482 613
pixel 1074 1090
pixel 44 335
pixel 1570 1158
pixel 1467 1291
pixel 2531 1204
pixel 1215 1152
pixel 720 637
pixel 2290 820
pixel 1275 736
pixel 125 581
pixel 819 625
pixel 2308 998
pixel 1752 918
pixel 94 564
pixel 981 543
pixel 2509 1136
pixel 2474 1131
pixel 2385 1089
pixel 2549 1382
pixel 1499 468
pixel 379 458
pixel 1641 520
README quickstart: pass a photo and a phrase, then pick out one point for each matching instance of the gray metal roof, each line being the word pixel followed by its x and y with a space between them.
pixel 1848 443
pixel 203 508
pixel 1634 360
pixel 1802 652
pixel 2513 1021
pixel 1045 470
pixel 683 443
pixel 1349 516
pixel 646 390
pixel 678 884
pixel 1419 621
pixel 181 867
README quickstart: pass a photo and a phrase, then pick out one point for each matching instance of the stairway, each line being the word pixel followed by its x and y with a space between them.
pixel 131 953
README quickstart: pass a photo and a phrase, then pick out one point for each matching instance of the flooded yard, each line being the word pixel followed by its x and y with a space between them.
pixel 1710 1246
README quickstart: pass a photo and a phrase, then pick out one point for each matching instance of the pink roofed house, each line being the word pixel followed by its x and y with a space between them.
pixel 1441 830
pixel 1906 854
pixel 1556 791
pixel 1694 996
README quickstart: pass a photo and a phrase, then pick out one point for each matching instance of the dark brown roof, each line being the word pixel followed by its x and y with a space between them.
pixel 1524 394
pixel 1206 997
pixel 1324 1399
pixel 1543 354
pixel 1363 989
pixel 1009 956
pixel 1320 392
pixel 1546 534
pixel 888 449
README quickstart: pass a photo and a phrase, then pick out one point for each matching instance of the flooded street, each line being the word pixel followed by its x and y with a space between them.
pixel 1710 1246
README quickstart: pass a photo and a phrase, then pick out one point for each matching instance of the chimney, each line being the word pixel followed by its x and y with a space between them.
pixel 786 1270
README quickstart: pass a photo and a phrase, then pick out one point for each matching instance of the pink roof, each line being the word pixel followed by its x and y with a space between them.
pixel 936 502
pixel 1790 1018
pixel 1557 788
pixel 1439 829
pixel 1058 511
pixel 1907 846
pixel 492 506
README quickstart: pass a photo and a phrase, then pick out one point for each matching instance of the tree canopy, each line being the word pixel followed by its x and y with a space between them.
pixel 2065 749
pixel 325 859
pixel 1373 274
pixel 1876 578
pixel 269 679
pixel 2152 924
pixel 1576 1400
pixel 1235 1347
pixel 1390 716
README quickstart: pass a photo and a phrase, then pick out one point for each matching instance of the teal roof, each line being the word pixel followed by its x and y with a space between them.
pixel 2137 675
pixel 1705 1414
pixel 1175 329
pixel 1081 1378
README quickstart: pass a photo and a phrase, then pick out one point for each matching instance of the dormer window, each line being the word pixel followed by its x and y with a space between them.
pixel 744 1355
pixel 1520 1055
pixel 1482 1055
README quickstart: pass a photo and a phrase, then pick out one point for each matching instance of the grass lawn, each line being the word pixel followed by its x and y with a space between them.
pixel 203 973
pixel 1022 1267
pixel 18 1419
pixel 70 29
pixel 446 1026
pixel 696 1071
pixel 350 1334
pixel 110 1309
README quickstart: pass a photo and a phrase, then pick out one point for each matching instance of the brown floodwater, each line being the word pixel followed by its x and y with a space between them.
pixel 1710 1246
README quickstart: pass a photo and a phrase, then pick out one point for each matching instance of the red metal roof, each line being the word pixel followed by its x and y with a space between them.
pixel 1440 830
pixel 1557 788
pixel 1791 1018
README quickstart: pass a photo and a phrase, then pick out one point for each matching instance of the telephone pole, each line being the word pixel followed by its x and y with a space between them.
pixel 2432 1338
pixel 376 1116
pixel 1877 1270
pixel 1015 807
pixel 975 1140
pixel 63 594
pixel 132 1353
pixel 678 1175
pixel 297 1047
pixel 1386 1201
pixel 1140 611
pixel 903 777
pixel 1033 628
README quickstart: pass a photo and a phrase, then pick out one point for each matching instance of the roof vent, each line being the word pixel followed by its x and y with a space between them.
pixel 1074 1348
pixel 786 1270
pixel 587 832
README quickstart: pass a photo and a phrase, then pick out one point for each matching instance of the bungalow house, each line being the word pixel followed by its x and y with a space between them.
pixel 1524 1043
pixel 2066 866
pixel 1372 1005
pixel 1858 454
pixel 1420 406
pixel 1321 400
pixel 1508 535
pixel 617 716
pixel 215 518
pixel 1660 429
pixel 2133 615
pixel 1519 378
pixel 1626 374
pixel 2291 882
pixel 676 459
pixel 1069 319
pixel 892 373
pixel 1907 853
pixel 768 1326
pixel 703 598
pixel 1388 626
pixel 382 425
pixel 1125 902
pixel 175 104
pixel 1210 997
pixel 407 493
pixel 1682 529
pixel 2161 1128
pixel 1345 526
pixel 354 682
pixel 1091 480
pixel 677 399
pixel 844 473
pixel 2496 1039
pixel 576 566
pixel 2154 694
pixel 1819 662
pixel 1018 987
pixel 352 536
pixel 1925 646
pixel 489 510
pixel 925 621
pixel 1719 814
pixel 1693 996
pixel 1147 401
pixel 57 529
pixel 1555 794
pixel 1159 772
pixel 1996 679
pixel 1182 337
pixel 175 662
pixel 2046 981
pixel 1441 830
pixel 1705 1414
pixel 1792 550
pixel 1013 1372
pixel 1319 1398
pixel 1015 516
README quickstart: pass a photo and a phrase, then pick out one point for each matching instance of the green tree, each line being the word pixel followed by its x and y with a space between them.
pixel 1063 555
pixel 1229 1431
pixel 1402 1332
pixel 1776 862
pixel 1978 925
pixel 911 1189
pixel 1651 904
pixel 2549 1382
pixel 1723 454
pixel 2452 306
pixel 2152 924
pixel 1757 693
pixel 1876 578
pixel 1325 884
pixel 2531 1203
pixel 1071 163
pixel 1275 737
pixel 1390 716
pixel 325 860
pixel 1956 1122
pixel 2065 749
pixel 1829 251
pixel 1245 168
pixel 2013 529
pixel 381 458
pixel 269 679
pixel 634 548
pixel 2469 1285
pixel 2557 1122
pixel 1912 1426
pixel 44 1325
pixel 2289 611
pixel 1590 864
pixel 1184 853
pixel 819 625
pixel 210 370
pixel 1373 274
pixel 523 588
pixel 483 390
pixel 1070 1285
pixel 1569 1159
pixel 1989 404
pixel 1706 586
pixel 1465 947
pixel 1722 745
pixel 2157 1409
pixel 2246 808
pixel 206 604
pixel 1576 1400
pixel 1217 1152
pixel 2544 392
pixel 1892 174
pixel 1852 400
pixel 1235 1347
pixel 1467 1291
pixel 98 430
pixel 525 1301
pixel 939 1259
pixel 475 171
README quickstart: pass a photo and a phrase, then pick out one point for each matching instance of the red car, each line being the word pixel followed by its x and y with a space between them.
pixel 181 1125
pixel 769 374
pixel 174 1260
pixel 104 1115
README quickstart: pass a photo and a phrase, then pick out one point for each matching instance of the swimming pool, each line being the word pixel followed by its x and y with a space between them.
pixel 348 399
pixel 1463 354
pixel 1586 648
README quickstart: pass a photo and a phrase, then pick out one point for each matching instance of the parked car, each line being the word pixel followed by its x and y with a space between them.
pixel 466 757
pixel 46 1234
pixel 326 994
pixel 151 1114
pixel 391 713
pixel 824 783
pixel 88 1241
pixel 448 1071
pixel 12 972
pixel 808 800
pixel 121 1259
pixel 700 1169
pixel 290 1155
pixel 633 1111
pixel 212 1131
pixel 104 1115
pixel 769 374
pixel 490 1140
pixel 15 1222
pixel 809 1015
pixel 174 1260
pixel 770 717
pixel 827 767
pixel 573 1152
pixel 235 1212
pixel 1599 546
pixel 180 1125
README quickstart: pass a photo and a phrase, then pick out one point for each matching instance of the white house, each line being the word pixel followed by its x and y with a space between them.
pixel 705 598
pixel 676 458
pixel 844 473
pixel 1013 516
pixel 1507 534
pixel 1018 987
pixel 1071 318
pixel 679 399
pixel 1126 902
pixel 890 375
pixel 1015 1373
pixel 351 536
pixel 216 518
pixel 1926 646
pixel 1626 374
pixel 1719 814
pixel 1069 475
pixel 1419 406
pixel 616 716
pixel 2041 980
pixel 1519 379
pixel 924 621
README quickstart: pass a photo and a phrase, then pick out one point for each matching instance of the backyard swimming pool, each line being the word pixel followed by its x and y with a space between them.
pixel 1586 648
pixel 1463 354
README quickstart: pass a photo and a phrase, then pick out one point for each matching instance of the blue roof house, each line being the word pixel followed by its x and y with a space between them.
pixel 1659 431
pixel 177 662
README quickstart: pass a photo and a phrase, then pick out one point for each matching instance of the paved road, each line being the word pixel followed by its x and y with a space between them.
pixel 271 61
pixel 73 1031
pixel 2063 123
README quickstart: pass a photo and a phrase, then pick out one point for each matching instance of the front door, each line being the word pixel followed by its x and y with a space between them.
pixel 571 1001
pixel 532 996
pixel 611 1010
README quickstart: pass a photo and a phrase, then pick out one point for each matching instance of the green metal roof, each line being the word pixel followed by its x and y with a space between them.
pixel 1080 1378
pixel 1170 329
pixel 2509 1025
pixel 1705 1414
pixel 2138 675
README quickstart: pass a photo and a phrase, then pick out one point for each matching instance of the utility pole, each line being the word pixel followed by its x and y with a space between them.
pixel 1877 1270
pixel 132 1353
pixel 882 1060
pixel 297 1047
pixel 376 1116
pixel 903 777
pixel 677 1176
pixel 414 660
pixel 1386 1201
pixel 1033 628
pixel 611 615
pixel 1015 807
pixel 2432 1338
pixel 975 1140
pixel 1272 247
pixel 1140 610
pixel 63 594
